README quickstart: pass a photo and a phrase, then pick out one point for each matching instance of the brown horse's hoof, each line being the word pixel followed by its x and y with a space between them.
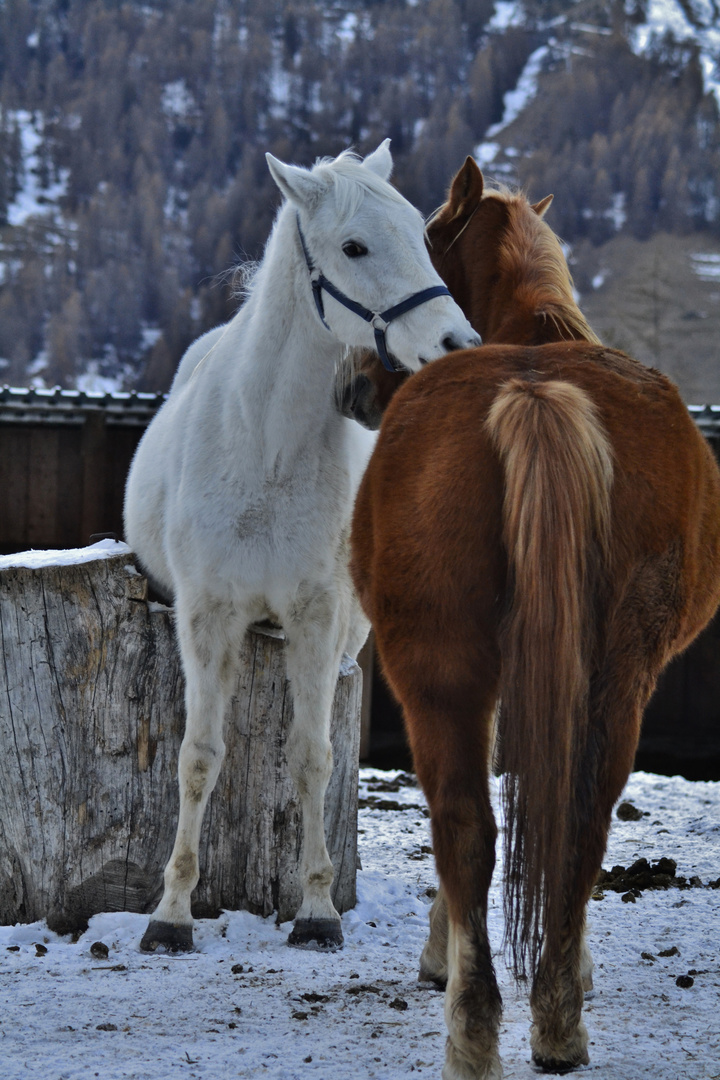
pixel 552 1065
pixel 323 934
pixel 166 937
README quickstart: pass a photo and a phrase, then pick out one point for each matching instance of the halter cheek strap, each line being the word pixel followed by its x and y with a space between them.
pixel 379 320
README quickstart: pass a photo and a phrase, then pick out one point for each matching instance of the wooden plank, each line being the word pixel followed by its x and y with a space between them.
pixel 14 487
pixel 122 444
pixel 93 454
pixel 69 506
pixel 366 659
pixel 682 720
pixel 42 480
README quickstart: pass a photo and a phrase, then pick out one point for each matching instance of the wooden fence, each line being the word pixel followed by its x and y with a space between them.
pixel 64 457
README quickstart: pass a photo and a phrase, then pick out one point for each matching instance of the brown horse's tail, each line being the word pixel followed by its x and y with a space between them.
pixel 558 476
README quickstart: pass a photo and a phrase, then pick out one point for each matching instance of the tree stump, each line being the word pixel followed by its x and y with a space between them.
pixel 91 719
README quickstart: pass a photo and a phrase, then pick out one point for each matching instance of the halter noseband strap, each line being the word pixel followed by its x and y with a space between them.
pixel 378 320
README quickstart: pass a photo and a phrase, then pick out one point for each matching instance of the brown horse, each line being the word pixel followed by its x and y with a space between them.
pixel 539 526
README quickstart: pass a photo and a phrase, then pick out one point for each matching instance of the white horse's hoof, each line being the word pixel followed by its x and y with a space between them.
pixel 439 981
pixel 325 934
pixel 167 937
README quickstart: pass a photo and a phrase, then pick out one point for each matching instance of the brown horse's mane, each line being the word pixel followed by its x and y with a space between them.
pixel 532 258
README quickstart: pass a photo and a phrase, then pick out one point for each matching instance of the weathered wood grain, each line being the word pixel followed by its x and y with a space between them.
pixel 91 718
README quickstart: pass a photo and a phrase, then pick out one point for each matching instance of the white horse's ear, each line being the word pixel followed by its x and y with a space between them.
pixel 298 185
pixel 380 161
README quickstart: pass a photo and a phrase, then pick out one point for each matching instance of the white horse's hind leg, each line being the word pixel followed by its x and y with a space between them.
pixel 433 960
pixel 586 966
pixel 314 647
pixel 209 644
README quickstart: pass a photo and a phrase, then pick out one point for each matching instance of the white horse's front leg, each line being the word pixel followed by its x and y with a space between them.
pixel 314 648
pixel 206 645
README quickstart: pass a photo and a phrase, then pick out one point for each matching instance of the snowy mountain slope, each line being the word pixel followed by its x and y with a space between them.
pixel 132 143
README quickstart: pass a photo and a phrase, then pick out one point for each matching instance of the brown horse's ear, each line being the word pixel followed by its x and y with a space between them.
pixel 542 207
pixel 466 190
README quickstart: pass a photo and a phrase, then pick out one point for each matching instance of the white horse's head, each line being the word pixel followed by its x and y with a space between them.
pixel 364 240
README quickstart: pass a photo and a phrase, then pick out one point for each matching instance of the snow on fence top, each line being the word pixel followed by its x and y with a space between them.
pixel 23 405
pixel 132 409
pixel 707 418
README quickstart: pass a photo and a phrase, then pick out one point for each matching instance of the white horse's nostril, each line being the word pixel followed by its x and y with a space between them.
pixel 450 343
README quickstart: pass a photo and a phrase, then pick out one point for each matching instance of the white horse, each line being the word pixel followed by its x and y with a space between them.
pixel 239 498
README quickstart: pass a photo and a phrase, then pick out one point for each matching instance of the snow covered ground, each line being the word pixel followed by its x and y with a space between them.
pixel 246 1005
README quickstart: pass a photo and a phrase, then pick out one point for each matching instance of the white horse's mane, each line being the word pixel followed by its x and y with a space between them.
pixel 351 181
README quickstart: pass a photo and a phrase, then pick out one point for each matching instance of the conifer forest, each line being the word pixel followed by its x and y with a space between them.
pixel 133 180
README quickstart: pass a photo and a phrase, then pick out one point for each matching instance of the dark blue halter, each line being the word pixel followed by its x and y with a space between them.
pixel 378 320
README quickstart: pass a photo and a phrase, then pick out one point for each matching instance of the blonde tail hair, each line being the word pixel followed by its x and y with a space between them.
pixel 558 470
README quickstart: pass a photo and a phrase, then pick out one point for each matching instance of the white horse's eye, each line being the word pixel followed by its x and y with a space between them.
pixel 353 249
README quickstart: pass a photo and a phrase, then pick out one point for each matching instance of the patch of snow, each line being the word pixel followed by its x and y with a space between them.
pixel 33 199
pixel 347 665
pixel 586 28
pixel 618 214
pixel 507 13
pixel 104 549
pixel 599 280
pixel 39 363
pixel 280 86
pixel 92 382
pixel 221 27
pixel 347 28
pixel 245 1005
pixel 149 336
pixel 696 21
pixel 486 153
pixel 514 102
pixel 33 40
pixel 177 100
pixel 706 266
pixel 615 213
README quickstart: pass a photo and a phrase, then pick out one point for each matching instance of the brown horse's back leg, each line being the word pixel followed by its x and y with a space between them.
pixel 450 744
pixel 618 697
